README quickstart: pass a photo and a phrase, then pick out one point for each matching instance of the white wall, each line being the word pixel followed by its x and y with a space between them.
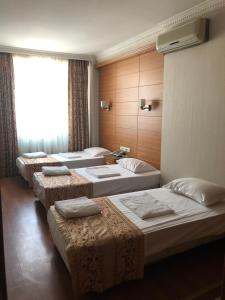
pixel 193 132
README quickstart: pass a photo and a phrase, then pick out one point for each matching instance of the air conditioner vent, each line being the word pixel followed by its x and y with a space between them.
pixel 190 34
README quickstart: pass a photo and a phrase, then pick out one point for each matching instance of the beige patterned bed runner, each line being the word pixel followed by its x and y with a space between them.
pixel 53 188
pixel 103 250
pixel 33 165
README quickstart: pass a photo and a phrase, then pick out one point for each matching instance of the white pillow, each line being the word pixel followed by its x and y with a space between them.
pixel 96 151
pixel 135 165
pixel 34 155
pixel 202 191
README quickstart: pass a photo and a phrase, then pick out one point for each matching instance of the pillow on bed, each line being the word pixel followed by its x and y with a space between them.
pixel 202 191
pixel 34 155
pixel 135 165
pixel 96 151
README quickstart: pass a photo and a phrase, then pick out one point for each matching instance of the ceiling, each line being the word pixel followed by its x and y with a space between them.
pixel 80 26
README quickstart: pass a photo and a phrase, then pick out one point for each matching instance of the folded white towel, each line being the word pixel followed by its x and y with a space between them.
pixel 76 208
pixel 55 171
pixel 34 155
pixel 70 155
pixel 146 206
pixel 102 172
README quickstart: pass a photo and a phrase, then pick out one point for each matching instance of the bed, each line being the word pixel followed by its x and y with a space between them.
pixel 192 224
pixel 82 183
pixel 27 167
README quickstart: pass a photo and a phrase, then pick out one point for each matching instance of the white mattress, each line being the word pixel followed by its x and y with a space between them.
pixel 191 222
pixel 126 182
pixel 85 160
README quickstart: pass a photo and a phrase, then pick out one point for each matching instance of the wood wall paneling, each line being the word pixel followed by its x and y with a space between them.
pixel 108 71
pixel 149 139
pixel 156 109
pixel 151 92
pixel 127 81
pixel 126 108
pixel 107 79
pixel 108 95
pixel 107 129
pixel 106 118
pixel 128 66
pixel 135 52
pixel 124 95
pixel 126 122
pixel 150 61
pixel 123 84
pixel 151 124
pixel 151 77
pixel 107 84
pixel 126 137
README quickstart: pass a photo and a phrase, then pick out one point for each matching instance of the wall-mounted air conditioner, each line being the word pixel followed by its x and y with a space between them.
pixel 190 34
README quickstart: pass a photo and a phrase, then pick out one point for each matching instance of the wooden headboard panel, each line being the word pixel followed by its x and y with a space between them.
pixel 123 83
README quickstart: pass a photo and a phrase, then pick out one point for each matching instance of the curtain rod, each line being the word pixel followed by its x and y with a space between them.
pixel 16 50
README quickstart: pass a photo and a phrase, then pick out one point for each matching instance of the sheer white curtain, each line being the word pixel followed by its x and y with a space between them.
pixel 41 102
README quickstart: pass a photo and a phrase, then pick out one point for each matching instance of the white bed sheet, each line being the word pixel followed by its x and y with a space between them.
pixel 161 233
pixel 126 182
pixel 165 232
pixel 85 160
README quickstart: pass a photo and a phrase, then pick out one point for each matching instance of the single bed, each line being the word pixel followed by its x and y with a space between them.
pixel 82 183
pixel 191 224
pixel 134 229
pixel 27 167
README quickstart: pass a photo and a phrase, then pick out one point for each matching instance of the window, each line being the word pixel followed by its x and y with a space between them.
pixel 41 103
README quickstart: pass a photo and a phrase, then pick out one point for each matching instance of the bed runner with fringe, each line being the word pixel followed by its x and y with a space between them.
pixel 103 250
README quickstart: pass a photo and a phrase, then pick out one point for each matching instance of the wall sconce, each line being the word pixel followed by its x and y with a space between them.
pixel 144 106
pixel 105 105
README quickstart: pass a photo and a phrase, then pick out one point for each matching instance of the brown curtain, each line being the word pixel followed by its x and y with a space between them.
pixel 78 105
pixel 8 135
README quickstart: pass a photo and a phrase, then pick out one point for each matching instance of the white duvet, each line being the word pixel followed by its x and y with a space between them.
pixel 102 172
pixel 174 229
pixel 126 182
pixel 70 155
pixel 146 206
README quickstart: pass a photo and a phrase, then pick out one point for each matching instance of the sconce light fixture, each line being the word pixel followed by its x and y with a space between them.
pixel 105 105
pixel 144 106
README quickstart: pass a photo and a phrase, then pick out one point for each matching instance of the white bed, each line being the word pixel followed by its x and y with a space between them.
pixel 191 223
pixel 126 182
pixel 84 160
